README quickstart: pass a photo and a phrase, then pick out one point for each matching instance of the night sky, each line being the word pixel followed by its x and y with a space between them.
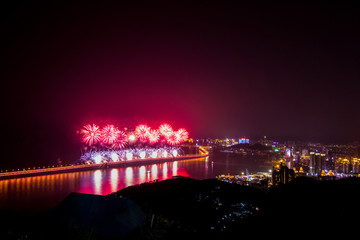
pixel 216 68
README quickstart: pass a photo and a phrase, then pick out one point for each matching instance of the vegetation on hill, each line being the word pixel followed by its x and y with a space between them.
pixel 184 207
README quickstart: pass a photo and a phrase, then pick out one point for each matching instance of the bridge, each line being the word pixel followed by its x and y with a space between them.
pixel 84 167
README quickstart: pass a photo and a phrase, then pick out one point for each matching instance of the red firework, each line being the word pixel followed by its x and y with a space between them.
pixel 183 134
pixel 142 132
pixel 173 139
pixel 178 137
pixel 91 134
pixel 117 139
pixel 166 130
pixel 154 136
pixel 121 141
pixel 109 134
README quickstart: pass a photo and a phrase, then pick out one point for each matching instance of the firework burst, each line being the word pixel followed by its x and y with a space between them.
pixel 114 139
pixel 183 135
pixel 110 134
pixel 173 139
pixel 91 134
pixel 121 141
pixel 142 132
pixel 165 130
pixel 178 137
pixel 154 136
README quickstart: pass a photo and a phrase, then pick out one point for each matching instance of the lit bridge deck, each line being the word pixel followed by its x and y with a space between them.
pixel 84 167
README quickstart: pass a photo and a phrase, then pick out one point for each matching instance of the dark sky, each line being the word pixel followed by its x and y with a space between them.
pixel 217 68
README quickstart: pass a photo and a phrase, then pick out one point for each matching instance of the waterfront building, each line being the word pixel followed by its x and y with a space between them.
pixel 300 173
pixel 343 165
pixel 330 165
pixel 322 163
pixel 347 165
pixel 326 176
pixel 317 163
pixel 243 140
pixel 355 165
pixel 281 174
pixel 312 163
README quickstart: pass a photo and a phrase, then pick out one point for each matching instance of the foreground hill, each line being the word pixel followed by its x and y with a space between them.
pixel 181 208
pixel 184 207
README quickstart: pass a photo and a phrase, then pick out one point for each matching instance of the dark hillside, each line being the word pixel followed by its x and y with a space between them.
pixel 184 206
pixel 325 207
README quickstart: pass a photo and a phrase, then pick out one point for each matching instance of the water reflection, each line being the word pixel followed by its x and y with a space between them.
pixel 206 167
pixel 154 172
pixel 114 179
pixel 174 169
pixel 142 174
pixel 129 176
pixel 43 192
pixel 165 169
pixel 97 181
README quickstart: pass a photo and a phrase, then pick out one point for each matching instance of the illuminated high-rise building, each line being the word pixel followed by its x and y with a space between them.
pixel 343 165
pixel 330 163
pixel 322 163
pixel 312 163
pixel 355 165
pixel 282 175
pixel 243 140
pixel 317 163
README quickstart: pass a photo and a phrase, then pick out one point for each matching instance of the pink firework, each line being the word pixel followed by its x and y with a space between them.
pixel 120 142
pixel 91 134
pixel 165 130
pixel 178 137
pixel 109 134
pixel 154 136
pixel 183 134
pixel 173 139
pixel 142 132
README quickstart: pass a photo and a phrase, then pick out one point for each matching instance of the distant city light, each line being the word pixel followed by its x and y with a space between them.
pixel 244 140
pixel 114 157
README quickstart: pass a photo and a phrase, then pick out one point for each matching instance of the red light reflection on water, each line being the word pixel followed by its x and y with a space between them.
pixel 43 192
pixel 34 194
pixel 112 180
